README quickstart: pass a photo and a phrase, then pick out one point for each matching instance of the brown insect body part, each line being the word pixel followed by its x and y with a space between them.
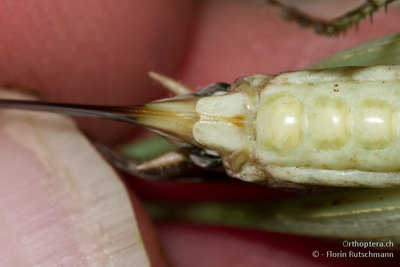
pixel 172 118
pixel 337 25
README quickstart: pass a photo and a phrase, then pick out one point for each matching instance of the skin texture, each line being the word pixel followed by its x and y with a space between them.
pixel 100 51
pixel 63 213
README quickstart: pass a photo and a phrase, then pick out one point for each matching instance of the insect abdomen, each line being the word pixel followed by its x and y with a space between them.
pixel 336 122
pixel 337 127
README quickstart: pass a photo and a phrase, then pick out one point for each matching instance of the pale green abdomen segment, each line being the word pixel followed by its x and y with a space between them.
pixel 348 123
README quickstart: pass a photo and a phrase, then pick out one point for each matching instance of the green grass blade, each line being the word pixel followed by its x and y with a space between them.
pixel 382 51
pixel 369 214
pixel 148 148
